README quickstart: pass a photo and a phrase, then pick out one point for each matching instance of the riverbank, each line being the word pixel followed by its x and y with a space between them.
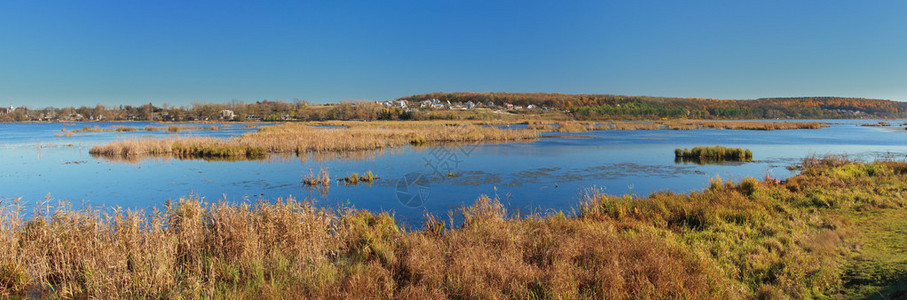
pixel 829 232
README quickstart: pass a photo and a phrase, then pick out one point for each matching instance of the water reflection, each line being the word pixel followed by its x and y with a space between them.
pixel 708 161
pixel 549 173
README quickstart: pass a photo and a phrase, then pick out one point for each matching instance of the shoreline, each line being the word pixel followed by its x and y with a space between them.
pixel 728 239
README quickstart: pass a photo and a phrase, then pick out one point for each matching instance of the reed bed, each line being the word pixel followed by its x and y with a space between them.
pixel 292 137
pixel 708 124
pixel 751 125
pixel 354 178
pixel 540 126
pixel 630 126
pixel 714 153
pixel 195 147
pixel 577 126
pixel 828 232
pixel 63 132
pixel 89 129
pixel 322 179
pixel 417 123
pixel 568 126
pixel 300 138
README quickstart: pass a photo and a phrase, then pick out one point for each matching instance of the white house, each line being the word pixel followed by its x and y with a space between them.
pixel 227 114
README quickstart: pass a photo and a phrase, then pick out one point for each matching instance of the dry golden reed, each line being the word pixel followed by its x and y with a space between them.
pixel 298 138
pixel 753 239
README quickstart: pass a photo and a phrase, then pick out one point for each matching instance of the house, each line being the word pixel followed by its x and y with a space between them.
pixel 470 105
pixel 6 110
pixel 531 106
pixel 508 105
pixel 490 104
pixel 227 114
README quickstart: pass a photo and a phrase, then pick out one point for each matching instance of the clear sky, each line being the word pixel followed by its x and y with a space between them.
pixel 178 52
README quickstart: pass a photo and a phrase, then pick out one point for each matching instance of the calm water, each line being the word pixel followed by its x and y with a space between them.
pixel 548 174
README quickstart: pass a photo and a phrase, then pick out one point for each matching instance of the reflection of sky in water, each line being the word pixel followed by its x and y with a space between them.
pixel 537 176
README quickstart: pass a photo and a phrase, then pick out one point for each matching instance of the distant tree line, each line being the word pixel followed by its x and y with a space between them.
pixel 595 106
pixel 296 110
pixel 581 106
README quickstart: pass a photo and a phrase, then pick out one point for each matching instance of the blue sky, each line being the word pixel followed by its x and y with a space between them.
pixel 179 52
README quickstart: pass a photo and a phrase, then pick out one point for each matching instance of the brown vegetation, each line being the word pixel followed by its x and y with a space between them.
pixel 569 126
pixel 322 178
pixel 706 124
pixel 745 240
pixel 298 138
pixel 191 147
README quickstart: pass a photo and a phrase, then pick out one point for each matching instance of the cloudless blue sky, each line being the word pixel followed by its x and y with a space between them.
pixel 178 52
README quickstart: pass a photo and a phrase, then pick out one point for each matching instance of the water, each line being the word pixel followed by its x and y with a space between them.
pixel 529 177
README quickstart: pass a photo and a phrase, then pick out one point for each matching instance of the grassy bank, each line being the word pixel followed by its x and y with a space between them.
pixel 836 230
pixel 299 138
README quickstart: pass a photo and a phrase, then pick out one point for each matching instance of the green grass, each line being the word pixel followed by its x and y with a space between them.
pixel 355 178
pixel 878 269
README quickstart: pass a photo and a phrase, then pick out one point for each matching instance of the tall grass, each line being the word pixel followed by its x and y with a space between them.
pixel 714 153
pixel 322 179
pixel 300 139
pixel 733 240
pixel 707 124
pixel 194 147
pixel 355 178
pixel 571 126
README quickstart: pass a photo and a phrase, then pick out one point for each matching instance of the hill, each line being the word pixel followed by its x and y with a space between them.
pixel 594 106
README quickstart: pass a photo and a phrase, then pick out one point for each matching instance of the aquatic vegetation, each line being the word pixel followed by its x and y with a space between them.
pixel 707 124
pixel 571 127
pixel 321 179
pixel 540 126
pixel 746 125
pixel 124 129
pixel 63 132
pixel 715 153
pixel 301 139
pixel 193 147
pixel 355 178
pixel 833 231
pixel 90 129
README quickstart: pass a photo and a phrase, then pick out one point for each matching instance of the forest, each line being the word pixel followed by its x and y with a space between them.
pixel 597 106
pixel 548 105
